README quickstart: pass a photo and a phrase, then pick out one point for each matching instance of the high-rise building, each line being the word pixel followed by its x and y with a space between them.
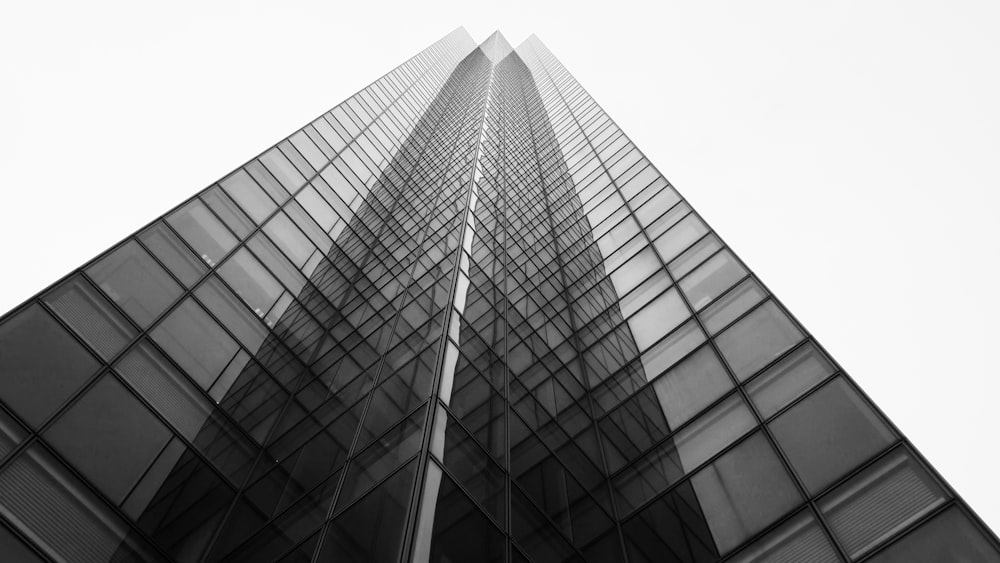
pixel 458 318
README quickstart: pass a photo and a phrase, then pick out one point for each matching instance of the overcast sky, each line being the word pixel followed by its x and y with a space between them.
pixel 847 151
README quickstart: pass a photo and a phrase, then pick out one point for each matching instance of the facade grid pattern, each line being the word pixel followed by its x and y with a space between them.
pixel 459 317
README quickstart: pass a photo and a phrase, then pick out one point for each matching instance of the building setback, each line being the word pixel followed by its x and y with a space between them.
pixel 458 318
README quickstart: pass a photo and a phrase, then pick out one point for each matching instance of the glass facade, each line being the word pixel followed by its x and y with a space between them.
pixel 459 317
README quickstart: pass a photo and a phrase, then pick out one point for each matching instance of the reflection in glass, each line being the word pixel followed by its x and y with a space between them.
pixel 743 491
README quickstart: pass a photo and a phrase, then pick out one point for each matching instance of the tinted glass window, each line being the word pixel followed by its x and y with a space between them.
pixel 716 275
pixel 133 280
pixel 195 342
pixel 757 338
pixel 91 316
pixel 743 491
pixel 109 436
pixel 171 251
pixel 40 364
pixel 950 536
pixel 203 231
pixel 885 497
pixel 829 433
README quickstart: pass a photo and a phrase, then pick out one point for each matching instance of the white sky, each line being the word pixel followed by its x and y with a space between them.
pixel 846 150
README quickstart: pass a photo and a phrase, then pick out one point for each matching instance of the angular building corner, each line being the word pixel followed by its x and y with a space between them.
pixel 459 317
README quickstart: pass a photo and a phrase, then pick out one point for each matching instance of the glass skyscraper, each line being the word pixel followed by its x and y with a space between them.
pixel 457 318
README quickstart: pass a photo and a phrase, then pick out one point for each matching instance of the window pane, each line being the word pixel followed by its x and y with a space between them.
pixel 460 531
pixel 716 275
pixel 64 518
pixel 830 433
pixel 757 339
pixel 203 231
pixel 249 195
pixel 196 342
pixel 232 313
pixel 318 208
pixel 251 281
pixel 877 503
pixel 799 539
pixel 672 460
pixel 743 491
pixel 635 271
pixel 382 457
pixel 672 348
pixel 91 316
pixel 282 169
pixel 693 256
pixel 289 238
pixel 172 252
pixel 229 212
pixel 679 237
pixel 950 536
pixel 733 304
pixel 109 436
pixel 788 379
pixel 691 386
pixel 41 365
pixel 170 393
pixel 133 280
pixel 15 549
pixel 661 316
pixel 371 531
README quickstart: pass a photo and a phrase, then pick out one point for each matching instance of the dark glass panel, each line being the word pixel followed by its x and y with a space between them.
pixel 164 387
pixel 231 313
pixel 109 436
pixel 182 503
pixel 11 434
pixel 40 364
pixel 743 491
pixel 171 251
pixel 91 316
pixel 133 280
pixel 673 528
pixel 195 342
pixel 798 539
pixel 461 531
pixel 62 516
pixel 949 536
pixel 371 531
pixel 385 455
pixel 474 469
pixel 15 550
pixel 830 433
pixel 203 231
